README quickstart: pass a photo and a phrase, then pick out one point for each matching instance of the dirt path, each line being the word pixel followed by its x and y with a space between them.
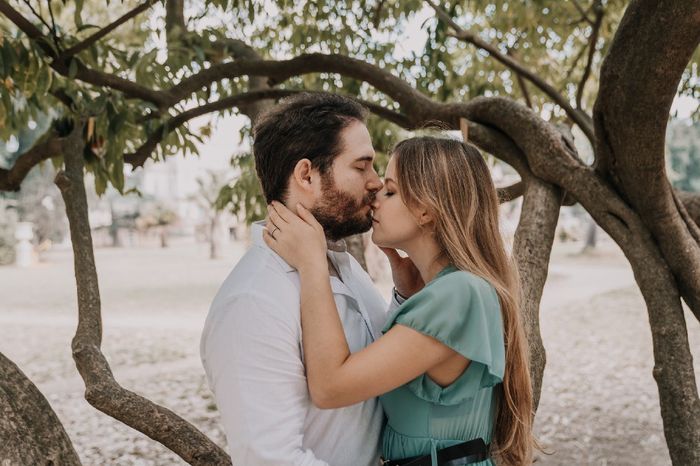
pixel 599 402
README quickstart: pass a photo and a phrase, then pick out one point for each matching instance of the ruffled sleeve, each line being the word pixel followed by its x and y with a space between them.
pixel 462 311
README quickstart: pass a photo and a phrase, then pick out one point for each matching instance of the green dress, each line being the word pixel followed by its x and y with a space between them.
pixel 461 310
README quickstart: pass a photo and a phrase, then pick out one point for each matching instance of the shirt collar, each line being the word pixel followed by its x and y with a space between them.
pixel 256 231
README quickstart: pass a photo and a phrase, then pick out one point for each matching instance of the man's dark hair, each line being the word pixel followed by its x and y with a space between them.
pixel 304 126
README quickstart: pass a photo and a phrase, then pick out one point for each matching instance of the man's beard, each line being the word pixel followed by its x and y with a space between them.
pixel 339 213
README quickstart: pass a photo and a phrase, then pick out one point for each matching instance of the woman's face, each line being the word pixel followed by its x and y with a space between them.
pixel 394 224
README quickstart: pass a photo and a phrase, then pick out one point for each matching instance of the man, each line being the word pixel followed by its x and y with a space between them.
pixel 312 149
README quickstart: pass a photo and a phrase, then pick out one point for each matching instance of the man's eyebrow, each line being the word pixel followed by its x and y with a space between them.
pixel 366 158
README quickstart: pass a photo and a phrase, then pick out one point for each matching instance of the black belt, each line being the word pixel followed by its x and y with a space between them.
pixel 469 452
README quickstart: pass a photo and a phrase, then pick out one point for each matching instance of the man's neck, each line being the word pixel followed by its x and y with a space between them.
pixel 332 271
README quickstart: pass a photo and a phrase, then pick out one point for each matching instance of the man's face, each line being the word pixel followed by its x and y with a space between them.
pixel 348 188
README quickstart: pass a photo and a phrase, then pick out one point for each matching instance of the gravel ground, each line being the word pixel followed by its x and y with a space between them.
pixel 599 402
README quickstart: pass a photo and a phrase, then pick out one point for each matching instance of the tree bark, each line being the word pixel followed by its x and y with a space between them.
pixel 691 201
pixel 532 247
pixel 673 361
pixel 630 115
pixel 101 389
pixel 30 431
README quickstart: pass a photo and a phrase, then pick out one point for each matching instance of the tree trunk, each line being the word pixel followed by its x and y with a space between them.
pixel 591 235
pixel 163 235
pixel 673 361
pixel 101 389
pixel 532 247
pixel 631 113
pixel 214 246
pixel 30 431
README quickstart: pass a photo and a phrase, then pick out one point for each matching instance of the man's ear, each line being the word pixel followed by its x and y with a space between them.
pixel 302 174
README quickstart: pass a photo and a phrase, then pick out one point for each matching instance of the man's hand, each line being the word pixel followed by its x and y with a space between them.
pixel 407 279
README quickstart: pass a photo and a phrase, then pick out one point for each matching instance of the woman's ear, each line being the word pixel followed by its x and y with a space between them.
pixel 302 175
pixel 422 215
pixel 424 218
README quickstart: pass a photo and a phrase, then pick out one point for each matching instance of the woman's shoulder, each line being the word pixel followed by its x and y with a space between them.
pixel 450 300
pixel 460 284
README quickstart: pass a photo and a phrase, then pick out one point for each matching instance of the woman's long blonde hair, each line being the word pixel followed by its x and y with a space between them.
pixel 452 181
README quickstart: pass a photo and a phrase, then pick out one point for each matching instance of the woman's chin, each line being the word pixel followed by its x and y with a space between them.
pixel 381 242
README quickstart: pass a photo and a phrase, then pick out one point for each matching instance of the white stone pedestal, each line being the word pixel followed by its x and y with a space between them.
pixel 23 249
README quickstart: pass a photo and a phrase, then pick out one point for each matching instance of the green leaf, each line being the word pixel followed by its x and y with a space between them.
pixel 100 183
pixel 73 68
pixel 117 123
pixel 43 82
pixel 8 57
pixel 199 52
pixel 77 15
pixel 83 27
pixel 131 61
pixel 118 174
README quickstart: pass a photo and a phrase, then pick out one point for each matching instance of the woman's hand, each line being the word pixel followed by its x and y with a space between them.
pixel 298 238
pixel 407 278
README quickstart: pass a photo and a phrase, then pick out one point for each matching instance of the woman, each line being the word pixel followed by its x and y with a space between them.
pixel 451 369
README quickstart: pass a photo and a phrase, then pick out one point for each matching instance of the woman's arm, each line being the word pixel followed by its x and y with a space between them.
pixel 336 377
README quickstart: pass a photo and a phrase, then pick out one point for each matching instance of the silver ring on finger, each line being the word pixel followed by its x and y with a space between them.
pixel 273 232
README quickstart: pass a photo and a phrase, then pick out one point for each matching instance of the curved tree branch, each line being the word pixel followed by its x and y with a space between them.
pixel 138 158
pixel 410 99
pixel 48 146
pixel 511 192
pixel 691 201
pixel 101 390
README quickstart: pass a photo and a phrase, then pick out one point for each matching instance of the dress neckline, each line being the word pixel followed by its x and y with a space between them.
pixel 447 269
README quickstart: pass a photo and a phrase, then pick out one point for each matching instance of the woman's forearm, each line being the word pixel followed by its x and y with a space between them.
pixel 325 346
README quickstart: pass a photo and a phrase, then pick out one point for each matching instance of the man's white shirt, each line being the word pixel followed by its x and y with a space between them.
pixel 252 353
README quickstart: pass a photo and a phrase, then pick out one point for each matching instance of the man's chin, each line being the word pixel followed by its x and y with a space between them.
pixel 339 231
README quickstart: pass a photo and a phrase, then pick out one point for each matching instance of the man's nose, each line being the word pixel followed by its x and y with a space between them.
pixel 374 183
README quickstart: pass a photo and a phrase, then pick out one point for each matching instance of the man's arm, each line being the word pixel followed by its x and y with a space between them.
pixel 251 354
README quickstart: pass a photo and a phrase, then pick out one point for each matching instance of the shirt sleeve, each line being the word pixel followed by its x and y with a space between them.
pixel 463 312
pixel 394 302
pixel 251 354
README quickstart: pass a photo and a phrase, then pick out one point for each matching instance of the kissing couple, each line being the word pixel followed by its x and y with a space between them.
pixel 307 362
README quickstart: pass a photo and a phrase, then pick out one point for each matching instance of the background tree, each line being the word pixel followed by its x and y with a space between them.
pixel 518 78
pixel 207 197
